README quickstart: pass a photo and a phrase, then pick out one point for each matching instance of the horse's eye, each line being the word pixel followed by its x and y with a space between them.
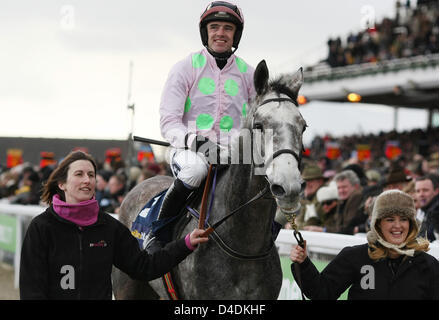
pixel 304 128
pixel 258 126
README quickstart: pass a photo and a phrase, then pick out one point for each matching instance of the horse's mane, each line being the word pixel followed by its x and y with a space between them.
pixel 278 85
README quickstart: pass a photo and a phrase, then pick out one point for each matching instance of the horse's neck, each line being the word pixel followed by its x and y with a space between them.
pixel 253 223
pixel 240 182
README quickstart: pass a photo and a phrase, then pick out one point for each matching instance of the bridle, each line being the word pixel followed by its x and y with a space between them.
pixel 291 218
pixel 215 236
pixel 282 151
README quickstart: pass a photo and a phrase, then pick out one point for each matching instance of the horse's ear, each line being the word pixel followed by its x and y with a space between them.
pixel 261 77
pixel 295 81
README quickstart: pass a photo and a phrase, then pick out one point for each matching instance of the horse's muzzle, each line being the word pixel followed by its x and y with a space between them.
pixel 279 192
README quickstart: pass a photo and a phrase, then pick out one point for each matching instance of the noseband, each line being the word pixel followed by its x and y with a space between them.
pixel 216 237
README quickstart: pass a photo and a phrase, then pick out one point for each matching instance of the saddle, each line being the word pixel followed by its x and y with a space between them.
pixel 147 217
pixel 163 229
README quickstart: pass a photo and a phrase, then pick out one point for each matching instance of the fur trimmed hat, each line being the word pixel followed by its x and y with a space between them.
pixel 394 202
pixel 388 203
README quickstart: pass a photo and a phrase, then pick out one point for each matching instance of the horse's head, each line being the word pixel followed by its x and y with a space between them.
pixel 277 127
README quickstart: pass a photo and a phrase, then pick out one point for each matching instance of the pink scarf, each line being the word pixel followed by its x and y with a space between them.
pixel 82 214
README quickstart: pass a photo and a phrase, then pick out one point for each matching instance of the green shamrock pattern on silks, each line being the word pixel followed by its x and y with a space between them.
pixel 242 66
pixel 244 110
pixel 226 123
pixel 204 121
pixel 208 86
pixel 231 87
pixel 187 105
pixel 198 60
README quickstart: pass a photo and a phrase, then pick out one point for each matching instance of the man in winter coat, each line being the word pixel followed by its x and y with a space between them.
pixel 311 211
pixel 327 197
pixel 350 196
pixel 427 193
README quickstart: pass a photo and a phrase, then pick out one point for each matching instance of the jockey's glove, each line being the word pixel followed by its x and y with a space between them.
pixel 206 147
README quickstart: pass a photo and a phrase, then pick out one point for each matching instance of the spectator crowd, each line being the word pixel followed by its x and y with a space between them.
pixel 339 191
pixel 341 188
pixel 22 184
pixel 413 31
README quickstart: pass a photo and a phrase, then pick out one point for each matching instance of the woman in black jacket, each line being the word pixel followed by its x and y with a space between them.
pixel 392 265
pixel 69 250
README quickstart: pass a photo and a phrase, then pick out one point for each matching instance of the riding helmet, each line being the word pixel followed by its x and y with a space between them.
pixel 222 11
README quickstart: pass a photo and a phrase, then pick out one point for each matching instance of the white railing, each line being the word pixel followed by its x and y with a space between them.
pixel 318 243
pixel 21 210
pixel 329 243
pixel 21 213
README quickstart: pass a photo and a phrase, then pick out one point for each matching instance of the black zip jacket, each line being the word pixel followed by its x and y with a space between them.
pixel 60 260
pixel 430 225
pixel 416 277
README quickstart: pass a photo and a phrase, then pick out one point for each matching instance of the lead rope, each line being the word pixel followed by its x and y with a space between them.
pixel 292 220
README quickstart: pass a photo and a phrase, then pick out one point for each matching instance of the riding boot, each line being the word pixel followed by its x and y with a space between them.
pixel 174 200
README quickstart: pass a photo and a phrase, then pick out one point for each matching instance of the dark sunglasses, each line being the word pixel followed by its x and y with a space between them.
pixel 327 202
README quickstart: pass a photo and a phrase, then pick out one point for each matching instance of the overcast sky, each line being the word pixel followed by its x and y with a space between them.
pixel 64 65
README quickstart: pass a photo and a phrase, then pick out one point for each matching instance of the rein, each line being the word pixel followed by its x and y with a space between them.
pixel 211 228
pixel 300 242
pixel 217 238
pixel 291 217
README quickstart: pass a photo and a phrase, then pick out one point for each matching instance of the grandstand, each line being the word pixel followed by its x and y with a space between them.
pixel 394 63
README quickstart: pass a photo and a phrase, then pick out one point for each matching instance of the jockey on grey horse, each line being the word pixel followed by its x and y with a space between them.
pixel 203 100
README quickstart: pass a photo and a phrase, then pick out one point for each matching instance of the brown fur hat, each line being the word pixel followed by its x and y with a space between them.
pixel 392 202
pixel 388 203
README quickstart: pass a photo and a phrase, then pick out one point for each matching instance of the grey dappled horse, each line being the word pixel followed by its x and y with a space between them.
pixel 240 260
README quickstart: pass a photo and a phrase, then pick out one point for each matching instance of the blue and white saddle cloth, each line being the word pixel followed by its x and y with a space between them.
pixel 146 220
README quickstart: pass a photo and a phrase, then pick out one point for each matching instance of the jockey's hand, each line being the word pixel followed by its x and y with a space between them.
pixel 195 237
pixel 206 147
pixel 298 254
pixel 202 144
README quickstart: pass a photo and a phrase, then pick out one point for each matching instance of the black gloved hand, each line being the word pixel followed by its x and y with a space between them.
pixel 206 147
pixel 203 145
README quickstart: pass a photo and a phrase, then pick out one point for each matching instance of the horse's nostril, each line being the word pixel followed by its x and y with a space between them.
pixel 277 190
